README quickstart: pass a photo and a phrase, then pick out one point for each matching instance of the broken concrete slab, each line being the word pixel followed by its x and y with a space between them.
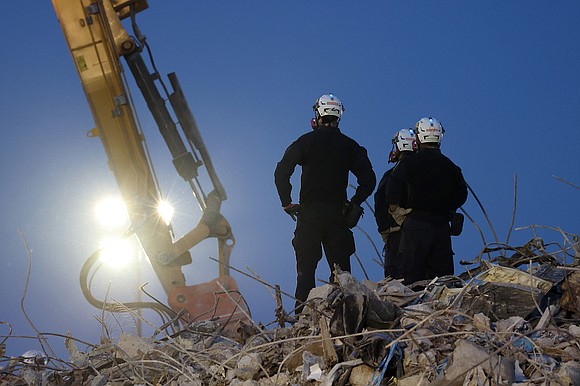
pixel 570 299
pixel 468 356
pixel 496 300
pixel 498 274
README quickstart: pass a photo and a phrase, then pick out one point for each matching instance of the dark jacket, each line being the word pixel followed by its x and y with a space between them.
pixel 431 182
pixel 326 157
pixel 382 217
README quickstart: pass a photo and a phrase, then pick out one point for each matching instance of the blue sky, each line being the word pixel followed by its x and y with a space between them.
pixel 501 76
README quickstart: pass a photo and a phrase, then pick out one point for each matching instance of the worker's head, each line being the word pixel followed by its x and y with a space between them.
pixel 429 132
pixel 403 144
pixel 328 110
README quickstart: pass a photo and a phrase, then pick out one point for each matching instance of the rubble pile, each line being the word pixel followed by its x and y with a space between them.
pixel 510 321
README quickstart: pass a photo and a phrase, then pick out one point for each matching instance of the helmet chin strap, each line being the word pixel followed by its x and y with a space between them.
pixel 394 154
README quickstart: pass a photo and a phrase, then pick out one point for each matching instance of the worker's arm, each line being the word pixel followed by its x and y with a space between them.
pixel 460 191
pixel 365 176
pixel 380 206
pixel 284 170
pixel 395 192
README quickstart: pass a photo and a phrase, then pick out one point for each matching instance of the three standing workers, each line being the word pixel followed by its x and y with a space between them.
pixel 413 202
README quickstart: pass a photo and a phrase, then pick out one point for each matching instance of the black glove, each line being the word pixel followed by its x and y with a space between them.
pixel 352 213
pixel 456 224
pixel 292 210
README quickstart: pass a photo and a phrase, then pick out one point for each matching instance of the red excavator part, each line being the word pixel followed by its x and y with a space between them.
pixel 209 301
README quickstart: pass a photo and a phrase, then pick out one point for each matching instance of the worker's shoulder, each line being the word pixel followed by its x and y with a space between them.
pixel 328 135
pixel 448 165
pixel 449 161
pixel 383 181
pixel 429 155
pixel 388 172
pixel 351 141
pixel 306 137
pixel 342 134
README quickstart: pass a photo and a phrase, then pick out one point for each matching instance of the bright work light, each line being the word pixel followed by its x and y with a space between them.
pixel 166 211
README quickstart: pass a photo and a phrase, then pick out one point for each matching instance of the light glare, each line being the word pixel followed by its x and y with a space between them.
pixel 112 212
pixel 166 211
pixel 116 253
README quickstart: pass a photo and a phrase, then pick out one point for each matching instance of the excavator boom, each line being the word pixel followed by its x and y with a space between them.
pixel 97 40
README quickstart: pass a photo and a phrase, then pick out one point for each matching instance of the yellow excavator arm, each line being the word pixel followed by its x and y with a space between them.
pixel 97 41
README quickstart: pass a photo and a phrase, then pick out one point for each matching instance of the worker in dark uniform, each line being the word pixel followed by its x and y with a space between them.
pixel 403 145
pixel 422 193
pixel 326 156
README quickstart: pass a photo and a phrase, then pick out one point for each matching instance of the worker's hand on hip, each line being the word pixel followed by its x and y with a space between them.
pixel 352 213
pixel 387 232
pixel 292 210
pixel 399 214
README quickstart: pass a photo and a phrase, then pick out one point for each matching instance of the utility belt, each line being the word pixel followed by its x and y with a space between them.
pixel 350 211
pixel 321 206
pixel 453 220
pixel 433 216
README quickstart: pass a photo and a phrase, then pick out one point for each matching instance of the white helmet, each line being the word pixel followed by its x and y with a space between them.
pixel 405 140
pixel 429 129
pixel 328 104
pixel 34 357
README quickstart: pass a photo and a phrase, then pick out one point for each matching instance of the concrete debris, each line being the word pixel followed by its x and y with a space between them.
pixel 474 364
pixel 134 347
pixel 497 274
pixel 570 299
pixel 499 325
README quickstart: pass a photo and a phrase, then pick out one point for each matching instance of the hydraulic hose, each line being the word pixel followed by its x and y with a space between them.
pixel 115 307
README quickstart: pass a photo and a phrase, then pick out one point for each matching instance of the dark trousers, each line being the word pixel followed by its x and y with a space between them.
pixel 392 263
pixel 319 227
pixel 425 251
